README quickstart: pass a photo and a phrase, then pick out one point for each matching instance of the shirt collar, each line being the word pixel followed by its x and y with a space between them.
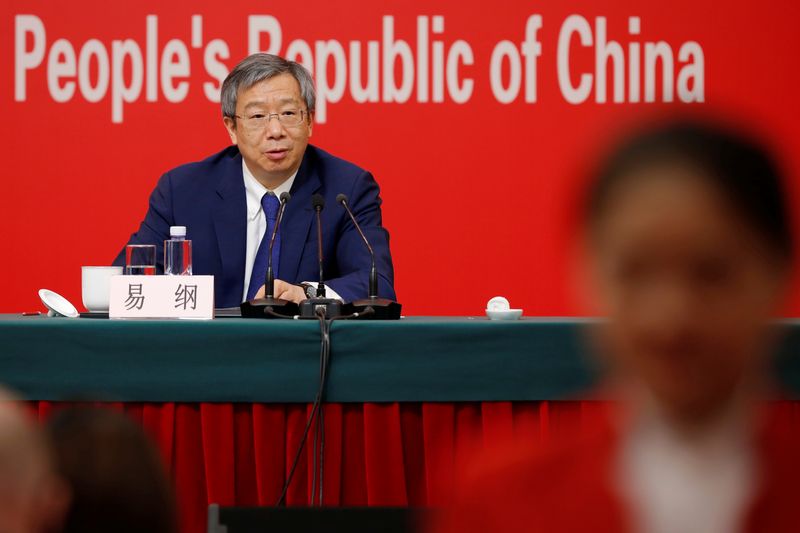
pixel 254 191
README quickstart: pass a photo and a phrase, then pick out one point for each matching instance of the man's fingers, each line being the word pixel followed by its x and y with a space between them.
pixel 281 287
pixel 261 292
pixel 286 291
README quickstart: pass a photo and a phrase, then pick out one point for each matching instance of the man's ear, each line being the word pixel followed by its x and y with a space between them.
pixel 310 123
pixel 230 125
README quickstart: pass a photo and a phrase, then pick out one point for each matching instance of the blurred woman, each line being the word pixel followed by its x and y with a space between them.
pixel 690 250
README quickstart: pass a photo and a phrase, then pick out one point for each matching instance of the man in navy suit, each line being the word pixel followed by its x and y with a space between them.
pixel 228 201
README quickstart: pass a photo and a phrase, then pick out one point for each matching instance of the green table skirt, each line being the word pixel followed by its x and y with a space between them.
pixel 238 360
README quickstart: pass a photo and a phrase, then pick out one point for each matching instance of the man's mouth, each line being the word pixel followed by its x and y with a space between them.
pixel 276 154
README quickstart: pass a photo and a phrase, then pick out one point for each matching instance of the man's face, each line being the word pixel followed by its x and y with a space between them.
pixel 272 150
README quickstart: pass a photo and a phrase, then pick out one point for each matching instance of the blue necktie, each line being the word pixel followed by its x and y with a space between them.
pixel 270 204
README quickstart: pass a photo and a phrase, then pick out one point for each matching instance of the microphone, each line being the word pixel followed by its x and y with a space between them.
pixel 383 308
pixel 373 271
pixel 319 305
pixel 318 203
pixel 269 306
pixel 269 283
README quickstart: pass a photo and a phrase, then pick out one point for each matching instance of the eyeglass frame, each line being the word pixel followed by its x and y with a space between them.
pixel 303 114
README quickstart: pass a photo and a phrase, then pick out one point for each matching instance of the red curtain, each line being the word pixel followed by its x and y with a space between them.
pixel 375 454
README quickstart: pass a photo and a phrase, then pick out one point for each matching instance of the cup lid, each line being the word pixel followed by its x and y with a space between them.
pixel 57 304
pixel 498 303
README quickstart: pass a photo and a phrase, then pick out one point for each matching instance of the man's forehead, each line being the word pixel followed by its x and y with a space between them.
pixel 282 89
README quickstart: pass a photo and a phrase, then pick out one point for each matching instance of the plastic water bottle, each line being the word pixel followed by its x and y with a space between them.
pixel 177 253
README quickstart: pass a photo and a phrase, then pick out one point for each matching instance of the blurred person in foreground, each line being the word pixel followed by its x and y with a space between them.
pixel 690 250
pixel 32 496
pixel 114 473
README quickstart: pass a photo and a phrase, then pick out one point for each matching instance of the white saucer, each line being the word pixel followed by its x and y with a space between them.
pixel 57 305
pixel 506 314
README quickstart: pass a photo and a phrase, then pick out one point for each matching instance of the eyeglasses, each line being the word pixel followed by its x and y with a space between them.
pixel 258 121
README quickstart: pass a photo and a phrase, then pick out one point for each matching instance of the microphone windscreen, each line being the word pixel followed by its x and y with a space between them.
pixel 341 198
pixel 285 197
pixel 318 201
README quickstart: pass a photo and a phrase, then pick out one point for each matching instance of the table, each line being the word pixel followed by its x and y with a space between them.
pixel 277 361
pixel 226 400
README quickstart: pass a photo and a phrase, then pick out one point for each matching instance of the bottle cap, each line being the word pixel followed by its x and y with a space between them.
pixel 177 231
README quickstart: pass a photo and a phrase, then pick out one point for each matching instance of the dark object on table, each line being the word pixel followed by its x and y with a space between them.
pixel 228 312
pixel 381 309
pixel 94 315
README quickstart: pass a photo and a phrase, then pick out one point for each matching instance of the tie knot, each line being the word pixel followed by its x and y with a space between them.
pixel 270 204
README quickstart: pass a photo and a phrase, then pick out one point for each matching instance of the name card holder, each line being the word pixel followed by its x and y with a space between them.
pixel 162 297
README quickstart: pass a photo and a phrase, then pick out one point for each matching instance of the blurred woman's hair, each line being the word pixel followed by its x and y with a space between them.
pixel 114 472
pixel 740 168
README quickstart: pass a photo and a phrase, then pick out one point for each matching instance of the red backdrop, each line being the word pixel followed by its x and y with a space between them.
pixel 477 194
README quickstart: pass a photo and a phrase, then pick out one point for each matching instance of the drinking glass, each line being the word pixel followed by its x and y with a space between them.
pixel 140 259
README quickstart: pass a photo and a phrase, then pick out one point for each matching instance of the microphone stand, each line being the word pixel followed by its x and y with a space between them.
pixel 269 306
pixel 382 308
pixel 313 307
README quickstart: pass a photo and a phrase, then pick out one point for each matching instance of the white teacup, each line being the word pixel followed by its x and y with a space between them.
pixel 96 286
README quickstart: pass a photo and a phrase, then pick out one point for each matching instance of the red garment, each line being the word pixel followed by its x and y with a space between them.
pixel 567 486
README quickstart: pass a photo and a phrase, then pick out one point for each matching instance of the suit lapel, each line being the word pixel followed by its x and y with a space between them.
pixel 297 217
pixel 230 225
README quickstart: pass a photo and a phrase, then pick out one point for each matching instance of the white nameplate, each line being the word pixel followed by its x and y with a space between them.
pixel 161 297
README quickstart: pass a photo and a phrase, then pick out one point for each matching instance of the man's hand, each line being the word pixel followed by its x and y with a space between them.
pixel 285 291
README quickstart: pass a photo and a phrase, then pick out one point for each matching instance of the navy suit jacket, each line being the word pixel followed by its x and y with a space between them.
pixel 208 197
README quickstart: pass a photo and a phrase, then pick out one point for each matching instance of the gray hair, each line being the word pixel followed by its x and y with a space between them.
pixel 259 67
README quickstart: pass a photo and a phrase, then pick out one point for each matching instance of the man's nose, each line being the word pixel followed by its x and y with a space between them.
pixel 274 128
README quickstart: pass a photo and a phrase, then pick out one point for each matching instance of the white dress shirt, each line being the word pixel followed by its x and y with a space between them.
pixel 678 483
pixel 257 223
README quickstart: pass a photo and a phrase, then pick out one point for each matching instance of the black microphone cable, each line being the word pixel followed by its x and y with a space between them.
pixel 320 429
pixel 317 410
pixel 324 347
